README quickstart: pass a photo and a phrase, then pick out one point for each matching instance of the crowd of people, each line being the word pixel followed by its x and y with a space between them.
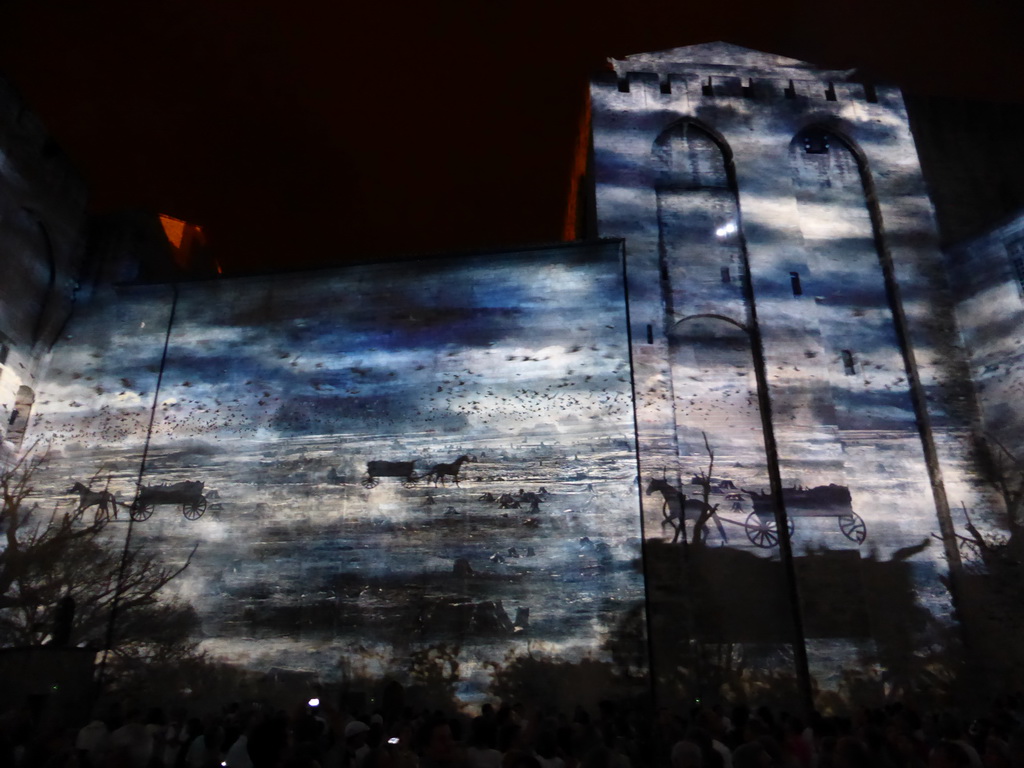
pixel 614 735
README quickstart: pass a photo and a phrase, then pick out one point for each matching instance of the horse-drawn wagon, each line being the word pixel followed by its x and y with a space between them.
pixel 407 471
pixel 187 493
pixel 378 469
pixel 759 525
pixel 822 501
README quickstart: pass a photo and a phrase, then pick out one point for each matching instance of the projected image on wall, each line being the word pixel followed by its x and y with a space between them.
pixel 371 461
pixel 776 426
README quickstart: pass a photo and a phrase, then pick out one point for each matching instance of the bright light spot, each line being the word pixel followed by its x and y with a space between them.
pixel 314 702
pixel 726 229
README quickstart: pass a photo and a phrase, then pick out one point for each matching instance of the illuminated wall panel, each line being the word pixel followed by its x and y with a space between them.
pixel 322 411
pixel 989 279
pixel 764 201
pixel 989 275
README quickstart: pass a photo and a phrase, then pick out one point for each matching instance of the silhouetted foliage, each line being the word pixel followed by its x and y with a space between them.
pixel 53 560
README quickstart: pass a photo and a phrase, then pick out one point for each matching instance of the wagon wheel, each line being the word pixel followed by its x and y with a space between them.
pixel 194 510
pixel 410 481
pixel 763 532
pixel 141 511
pixel 853 527
pixel 371 482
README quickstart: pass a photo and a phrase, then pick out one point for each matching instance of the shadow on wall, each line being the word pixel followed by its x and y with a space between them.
pixel 436 677
pixel 730 636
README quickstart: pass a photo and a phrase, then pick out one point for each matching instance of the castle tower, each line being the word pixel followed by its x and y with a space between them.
pixel 792 329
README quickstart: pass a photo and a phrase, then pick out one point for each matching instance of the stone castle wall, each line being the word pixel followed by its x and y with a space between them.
pixel 42 215
pixel 773 209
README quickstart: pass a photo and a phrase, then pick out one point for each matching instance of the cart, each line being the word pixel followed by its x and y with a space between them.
pixel 378 469
pixel 188 493
pixel 821 501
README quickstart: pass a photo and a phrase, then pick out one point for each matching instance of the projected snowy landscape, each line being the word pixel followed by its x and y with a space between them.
pixel 391 457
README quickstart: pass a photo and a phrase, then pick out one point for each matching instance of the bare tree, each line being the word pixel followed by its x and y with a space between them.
pixel 705 481
pixel 55 559
pixel 1005 472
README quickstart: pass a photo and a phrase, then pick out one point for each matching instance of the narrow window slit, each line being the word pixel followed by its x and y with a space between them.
pixel 790 91
pixel 794 281
pixel 830 92
pixel 848 362
pixel 650 333
pixel 726 275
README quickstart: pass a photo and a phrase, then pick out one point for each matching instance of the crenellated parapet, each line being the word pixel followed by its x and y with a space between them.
pixel 669 87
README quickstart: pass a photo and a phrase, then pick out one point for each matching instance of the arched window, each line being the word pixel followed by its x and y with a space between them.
pixel 698 222
pixel 840 245
pixel 703 272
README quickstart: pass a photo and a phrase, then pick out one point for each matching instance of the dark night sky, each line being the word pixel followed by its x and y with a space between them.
pixel 301 133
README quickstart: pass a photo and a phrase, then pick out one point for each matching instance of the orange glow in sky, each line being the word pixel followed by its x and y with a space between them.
pixel 579 170
pixel 174 229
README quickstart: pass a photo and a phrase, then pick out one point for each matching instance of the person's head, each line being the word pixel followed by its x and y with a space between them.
pixel 156 716
pixel 686 754
pixel 950 727
pixel 751 755
pixel 852 753
pixel 268 740
pixel 509 737
pixel 355 734
pixel 519 759
pixel 997 752
pixel 948 754
pixel 439 744
pixel 547 743
pixel 481 733
pixel 754 729
pixel 380 757
pixel 793 726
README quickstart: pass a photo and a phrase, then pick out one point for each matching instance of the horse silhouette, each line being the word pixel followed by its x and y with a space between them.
pixel 441 471
pixel 676 506
pixel 99 499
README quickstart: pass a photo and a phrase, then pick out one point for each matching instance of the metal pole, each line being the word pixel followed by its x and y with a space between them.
pixel 115 603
